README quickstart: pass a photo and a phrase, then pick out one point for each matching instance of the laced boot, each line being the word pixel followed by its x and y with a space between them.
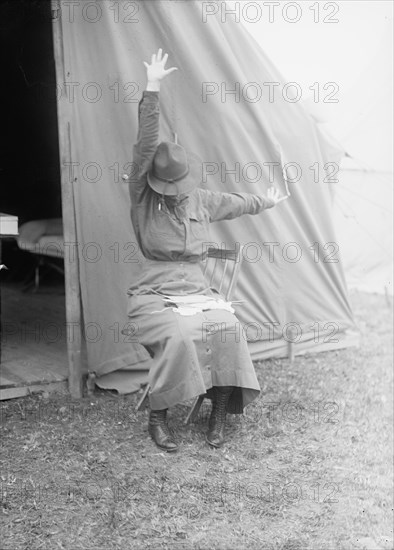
pixel 160 432
pixel 217 420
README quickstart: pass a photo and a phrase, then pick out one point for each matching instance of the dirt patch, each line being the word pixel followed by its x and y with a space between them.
pixel 308 466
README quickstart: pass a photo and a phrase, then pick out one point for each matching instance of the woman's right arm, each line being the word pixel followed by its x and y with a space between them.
pixel 148 125
pixel 147 141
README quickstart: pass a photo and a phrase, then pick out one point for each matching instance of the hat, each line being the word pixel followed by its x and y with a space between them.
pixel 174 171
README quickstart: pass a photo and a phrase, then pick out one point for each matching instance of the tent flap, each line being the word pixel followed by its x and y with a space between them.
pixel 218 105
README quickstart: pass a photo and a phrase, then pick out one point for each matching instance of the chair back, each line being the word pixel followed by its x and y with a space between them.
pixel 222 268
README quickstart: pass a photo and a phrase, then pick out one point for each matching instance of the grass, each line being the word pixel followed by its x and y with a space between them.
pixel 309 466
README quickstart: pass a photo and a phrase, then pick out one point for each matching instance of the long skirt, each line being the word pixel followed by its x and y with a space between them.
pixel 191 354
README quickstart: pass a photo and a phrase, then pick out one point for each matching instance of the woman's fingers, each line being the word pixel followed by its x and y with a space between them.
pixel 159 58
pixel 156 70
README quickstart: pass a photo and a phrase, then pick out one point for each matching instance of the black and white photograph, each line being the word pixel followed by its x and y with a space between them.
pixel 196 269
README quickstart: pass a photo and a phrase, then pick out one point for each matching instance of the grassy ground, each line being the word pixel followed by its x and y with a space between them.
pixel 307 467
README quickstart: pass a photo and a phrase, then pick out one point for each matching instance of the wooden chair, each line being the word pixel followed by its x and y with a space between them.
pixel 221 270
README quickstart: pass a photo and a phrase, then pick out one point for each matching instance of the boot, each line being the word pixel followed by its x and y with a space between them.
pixel 217 420
pixel 160 432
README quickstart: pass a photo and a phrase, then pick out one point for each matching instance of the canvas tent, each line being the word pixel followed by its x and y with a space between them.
pixel 219 105
pixel 347 83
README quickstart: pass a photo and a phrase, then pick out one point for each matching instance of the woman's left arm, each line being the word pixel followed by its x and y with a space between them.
pixel 227 206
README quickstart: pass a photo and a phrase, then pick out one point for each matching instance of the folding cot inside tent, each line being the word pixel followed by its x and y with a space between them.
pixel 230 105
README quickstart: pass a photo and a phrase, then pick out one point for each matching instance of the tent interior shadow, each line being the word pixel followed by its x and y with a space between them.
pixel 34 340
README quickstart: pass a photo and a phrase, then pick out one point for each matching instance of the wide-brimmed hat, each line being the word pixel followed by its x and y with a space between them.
pixel 174 171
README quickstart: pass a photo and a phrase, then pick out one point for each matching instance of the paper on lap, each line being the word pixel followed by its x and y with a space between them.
pixel 192 304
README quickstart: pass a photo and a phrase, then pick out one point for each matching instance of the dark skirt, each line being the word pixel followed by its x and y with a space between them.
pixel 191 354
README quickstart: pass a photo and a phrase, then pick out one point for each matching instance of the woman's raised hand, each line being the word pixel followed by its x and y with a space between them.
pixel 156 71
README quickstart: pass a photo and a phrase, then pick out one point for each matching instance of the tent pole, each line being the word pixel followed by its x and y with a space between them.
pixel 71 262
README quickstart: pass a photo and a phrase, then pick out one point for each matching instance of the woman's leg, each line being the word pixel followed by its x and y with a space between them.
pixel 160 432
pixel 174 375
pixel 194 354
pixel 217 420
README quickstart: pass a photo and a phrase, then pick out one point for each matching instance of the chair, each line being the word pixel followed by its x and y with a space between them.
pixel 224 280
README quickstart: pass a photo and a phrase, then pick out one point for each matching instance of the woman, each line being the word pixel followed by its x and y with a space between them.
pixel 171 217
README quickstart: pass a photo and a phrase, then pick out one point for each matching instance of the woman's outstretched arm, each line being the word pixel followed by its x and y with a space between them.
pixel 227 206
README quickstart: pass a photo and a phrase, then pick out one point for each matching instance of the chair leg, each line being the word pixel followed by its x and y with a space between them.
pixel 194 409
pixel 37 277
pixel 144 397
pixel 91 383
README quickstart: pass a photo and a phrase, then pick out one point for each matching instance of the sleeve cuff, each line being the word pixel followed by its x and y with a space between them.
pixel 270 203
pixel 149 95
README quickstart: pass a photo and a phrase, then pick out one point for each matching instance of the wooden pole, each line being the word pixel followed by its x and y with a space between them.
pixel 71 262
